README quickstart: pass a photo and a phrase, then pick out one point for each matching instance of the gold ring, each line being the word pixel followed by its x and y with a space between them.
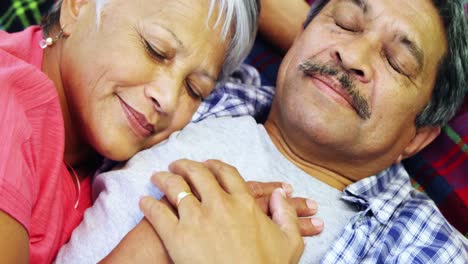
pixel 181 196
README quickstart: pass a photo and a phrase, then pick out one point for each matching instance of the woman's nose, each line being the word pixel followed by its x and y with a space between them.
pixel 164 94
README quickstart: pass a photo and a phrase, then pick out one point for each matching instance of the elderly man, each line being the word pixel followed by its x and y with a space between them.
pixel 365 85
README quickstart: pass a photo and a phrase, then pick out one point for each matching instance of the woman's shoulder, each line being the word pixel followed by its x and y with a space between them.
pixel 20 69
pixel 23 83
pixel 221 133
pixel 29 106
pixel 32 137
pixel 24 45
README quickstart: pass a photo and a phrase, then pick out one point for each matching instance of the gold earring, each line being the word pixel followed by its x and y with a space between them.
pixel 49 41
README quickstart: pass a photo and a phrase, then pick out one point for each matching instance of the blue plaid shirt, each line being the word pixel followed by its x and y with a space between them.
pixel 241 94
pixel 395 222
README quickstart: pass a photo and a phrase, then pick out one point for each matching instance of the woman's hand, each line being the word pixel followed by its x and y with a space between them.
pixel 143 244
pixel 226 225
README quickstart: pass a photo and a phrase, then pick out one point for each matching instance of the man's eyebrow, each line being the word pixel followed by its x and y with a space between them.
pixel 362 4
pixel 414 49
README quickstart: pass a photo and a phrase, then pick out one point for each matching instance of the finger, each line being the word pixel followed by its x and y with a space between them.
pixel 160 216
pixel 228 176
pixel 165 201
pixel 258 189
pixel 304 207
pixel 200 178
pixel 310 226
pixel 285 216
pixel 172 185
pixel 264 204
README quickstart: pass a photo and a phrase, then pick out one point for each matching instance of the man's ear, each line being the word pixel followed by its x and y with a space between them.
pixel 70 11
pixel 423 137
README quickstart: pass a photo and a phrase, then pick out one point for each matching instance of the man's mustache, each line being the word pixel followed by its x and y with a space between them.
pixel 360 104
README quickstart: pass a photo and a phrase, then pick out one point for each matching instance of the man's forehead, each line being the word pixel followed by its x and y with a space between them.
pixel 415 22
pixel 415 13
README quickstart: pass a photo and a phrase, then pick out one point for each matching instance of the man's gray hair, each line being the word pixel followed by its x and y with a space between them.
pixel 452 76
pixel 239 18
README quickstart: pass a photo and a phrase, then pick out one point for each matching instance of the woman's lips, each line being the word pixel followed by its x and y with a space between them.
pixel 138 123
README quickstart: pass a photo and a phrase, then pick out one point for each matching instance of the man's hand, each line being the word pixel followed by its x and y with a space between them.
pixel 262 192
pixel 226 225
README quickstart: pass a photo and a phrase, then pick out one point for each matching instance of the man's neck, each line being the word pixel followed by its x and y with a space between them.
pixel 322 174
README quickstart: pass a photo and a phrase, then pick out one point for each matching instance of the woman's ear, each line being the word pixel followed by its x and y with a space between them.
pixel 423 137
pixel 70 11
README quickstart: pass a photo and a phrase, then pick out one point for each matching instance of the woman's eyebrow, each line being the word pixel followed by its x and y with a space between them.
pixel 179 42
pixel 208 75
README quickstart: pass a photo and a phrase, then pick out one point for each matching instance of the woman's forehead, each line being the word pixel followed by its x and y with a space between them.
pixel 195 15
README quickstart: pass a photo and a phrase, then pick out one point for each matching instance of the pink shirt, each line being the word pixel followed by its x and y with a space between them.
pixel 35 186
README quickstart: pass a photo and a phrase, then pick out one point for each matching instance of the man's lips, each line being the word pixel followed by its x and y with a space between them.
pixel 137 120
pixel 333 86
pixel 337 84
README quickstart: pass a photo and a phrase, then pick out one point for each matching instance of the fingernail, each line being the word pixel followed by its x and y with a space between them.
pixel 311 204
pixel 287 188
pixel 318 223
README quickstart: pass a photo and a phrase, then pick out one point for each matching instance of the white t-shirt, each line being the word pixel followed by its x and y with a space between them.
pixel 240 142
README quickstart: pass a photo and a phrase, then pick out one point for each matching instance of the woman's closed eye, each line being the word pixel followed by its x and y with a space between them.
pixel 193 91
pixel 154 52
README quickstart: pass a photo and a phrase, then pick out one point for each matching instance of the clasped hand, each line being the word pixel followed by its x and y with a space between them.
pixel 223 223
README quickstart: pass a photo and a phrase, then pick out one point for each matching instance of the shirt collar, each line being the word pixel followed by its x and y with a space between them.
pixel 24 45
pixel 381 193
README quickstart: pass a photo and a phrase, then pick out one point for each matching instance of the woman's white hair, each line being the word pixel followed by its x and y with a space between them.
pixel 239 18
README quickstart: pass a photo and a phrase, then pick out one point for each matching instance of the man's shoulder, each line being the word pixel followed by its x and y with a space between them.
pixel 406 224
pixel 418 230
pixel 417 218
pixel 415 232
pixel 210 138
pixel 220 128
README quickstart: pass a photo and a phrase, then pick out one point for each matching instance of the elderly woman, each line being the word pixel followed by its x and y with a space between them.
pixel 104 78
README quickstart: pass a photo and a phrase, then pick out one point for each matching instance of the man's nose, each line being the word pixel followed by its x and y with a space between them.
pixel 164 93
pixel 356 57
